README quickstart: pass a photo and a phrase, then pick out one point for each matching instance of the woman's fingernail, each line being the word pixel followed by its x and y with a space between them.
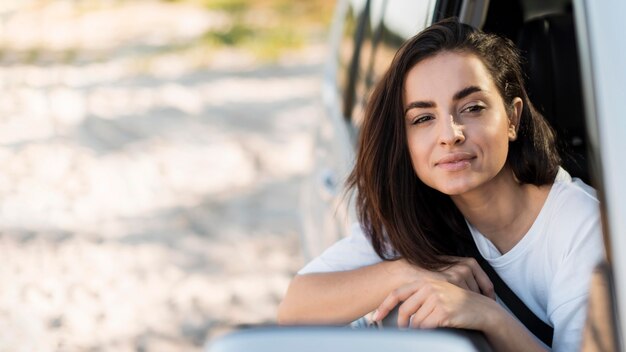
pixel 375 316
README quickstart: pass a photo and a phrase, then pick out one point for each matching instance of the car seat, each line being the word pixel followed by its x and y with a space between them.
pixel 548 44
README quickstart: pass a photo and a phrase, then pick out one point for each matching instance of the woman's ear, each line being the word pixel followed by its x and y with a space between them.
pixel 514 118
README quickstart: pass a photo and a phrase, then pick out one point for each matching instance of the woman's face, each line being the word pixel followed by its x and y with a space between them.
pixel 458 130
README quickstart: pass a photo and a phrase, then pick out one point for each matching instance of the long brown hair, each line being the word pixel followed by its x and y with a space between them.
pixel 401 215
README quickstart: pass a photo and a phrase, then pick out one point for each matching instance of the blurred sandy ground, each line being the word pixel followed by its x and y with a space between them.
pixel 149 184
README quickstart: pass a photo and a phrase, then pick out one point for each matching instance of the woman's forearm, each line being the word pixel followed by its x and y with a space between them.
pixel 507 334
pixel 341 297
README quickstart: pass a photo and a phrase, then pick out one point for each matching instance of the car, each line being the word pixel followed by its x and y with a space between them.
pixel 575 59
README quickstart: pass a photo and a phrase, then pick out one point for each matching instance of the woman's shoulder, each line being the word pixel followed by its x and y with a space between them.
pixel 351 252
pixel 574 218
pixel 572 192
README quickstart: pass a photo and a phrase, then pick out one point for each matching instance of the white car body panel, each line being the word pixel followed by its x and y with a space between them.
pixel 602 52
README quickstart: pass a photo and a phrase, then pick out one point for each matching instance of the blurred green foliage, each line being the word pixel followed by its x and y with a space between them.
pixel 230 6
pixel 268 27
pixel 234 35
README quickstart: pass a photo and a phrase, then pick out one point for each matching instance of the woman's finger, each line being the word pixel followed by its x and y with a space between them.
pixel 393 299
pixel 452 276
pixel 483 281
pixel 431 320
pixel 461 274
pixel 470 279
pixel 411 305
pixel 427 307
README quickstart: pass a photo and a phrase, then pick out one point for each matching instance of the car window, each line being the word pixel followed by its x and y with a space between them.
pixel 360 70
pixel 397 24
pixel 355 44
pixel 390 24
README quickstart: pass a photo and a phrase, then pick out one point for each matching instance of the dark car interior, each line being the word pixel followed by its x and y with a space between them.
pixel 547 42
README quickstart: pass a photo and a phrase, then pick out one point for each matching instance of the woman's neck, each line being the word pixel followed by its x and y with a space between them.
pixel 503 210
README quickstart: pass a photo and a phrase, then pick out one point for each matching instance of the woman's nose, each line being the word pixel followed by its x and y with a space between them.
pixel 451 133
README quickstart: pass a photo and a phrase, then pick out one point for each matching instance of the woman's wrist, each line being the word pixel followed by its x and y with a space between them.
pixel 404 272
pixel 500 321
pixel 505 333
pixel 495 316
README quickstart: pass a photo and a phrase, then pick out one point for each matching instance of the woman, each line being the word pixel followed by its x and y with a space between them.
pixel 451 151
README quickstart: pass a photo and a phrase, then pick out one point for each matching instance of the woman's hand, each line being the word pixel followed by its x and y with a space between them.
pixel 342 297
pixel 466 273
pixel 431 303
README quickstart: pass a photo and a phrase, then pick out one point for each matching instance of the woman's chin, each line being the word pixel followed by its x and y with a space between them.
pixel 456 188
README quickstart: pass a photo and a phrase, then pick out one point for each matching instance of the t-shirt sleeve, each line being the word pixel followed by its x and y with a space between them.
pixel 570 287
pixel 350 253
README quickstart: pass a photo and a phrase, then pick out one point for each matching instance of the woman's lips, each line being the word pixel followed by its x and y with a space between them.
pixel 455 162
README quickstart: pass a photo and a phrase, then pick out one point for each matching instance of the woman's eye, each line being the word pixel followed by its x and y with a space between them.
pixel 474 109
pixel 421 119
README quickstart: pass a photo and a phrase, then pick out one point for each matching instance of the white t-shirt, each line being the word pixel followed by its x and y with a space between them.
pixel 549 268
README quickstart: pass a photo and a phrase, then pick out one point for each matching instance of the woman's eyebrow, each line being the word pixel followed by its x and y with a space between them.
pixel 431 104
pixel 465 92
pixel 419 104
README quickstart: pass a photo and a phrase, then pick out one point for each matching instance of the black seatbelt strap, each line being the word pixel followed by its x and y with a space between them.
pixel 537 326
